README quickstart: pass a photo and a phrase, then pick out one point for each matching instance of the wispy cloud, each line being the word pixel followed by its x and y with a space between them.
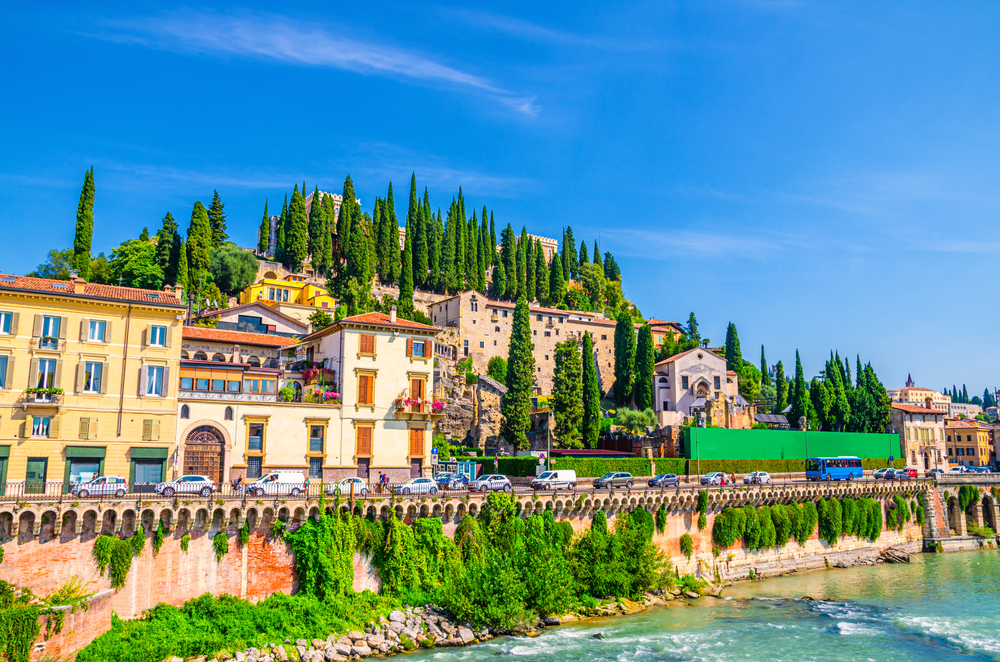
pixel 667 244
pixel 279 39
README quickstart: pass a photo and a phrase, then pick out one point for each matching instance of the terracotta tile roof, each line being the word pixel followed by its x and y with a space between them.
pixel 914 409
pixel 217 312
pixel 381 319
pixel 237 337
pixel 652 321
pixel 90 290
pixel 685 353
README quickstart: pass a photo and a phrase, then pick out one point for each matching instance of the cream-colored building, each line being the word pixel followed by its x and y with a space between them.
pixel 967 409
pixel 353 399
pixel 256 317
pixel 86 382
pixel 685 383
pixel 479 328
pixel 921 436
pixel 911 394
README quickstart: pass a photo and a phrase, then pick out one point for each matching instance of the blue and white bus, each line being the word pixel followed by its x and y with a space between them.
pixel 833 468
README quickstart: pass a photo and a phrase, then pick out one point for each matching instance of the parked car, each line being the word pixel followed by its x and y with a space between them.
pixel 344 486
pixel 885 473
pixel 665 480
pixel 292 483
pixel 910 471
pixel 202 485
pixel 419 486
pixel 957 470
pixel 982 470
pixel 757 478
pixel 451 481
pixel 714 478
pixel 900 474
pixel 934 471
pixel 101 485
pixel 491 483
pixel 554 480
pixel 615 479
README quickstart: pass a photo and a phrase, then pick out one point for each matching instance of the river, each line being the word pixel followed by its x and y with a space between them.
pixel 940 607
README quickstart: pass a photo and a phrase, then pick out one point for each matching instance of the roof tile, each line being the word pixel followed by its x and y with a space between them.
pixel 93 290
pixel 221 335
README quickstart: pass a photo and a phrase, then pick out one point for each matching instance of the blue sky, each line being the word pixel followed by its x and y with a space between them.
pixel 823 174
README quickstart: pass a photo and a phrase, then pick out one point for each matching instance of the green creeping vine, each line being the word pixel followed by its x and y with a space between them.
pixel 18 624
pixel 245 533
pixel 161 531
pixel 687 546
pixel 661 518
pixel 115 555
pixel 702 509
pixel 220 542
pixel 185 541
pixel 968 496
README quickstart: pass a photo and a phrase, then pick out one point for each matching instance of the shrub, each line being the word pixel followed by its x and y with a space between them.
pixel 830 517
pixel 782 525
pixel 850 516
pixel 185 541
pixel 981 531
pixel 968 496
pixel 592 467
pixel 497 369
pixel 221 545
pixel 661 518
pixel 693 584
pixel 807 523
pixel 687 546
pixel 728 527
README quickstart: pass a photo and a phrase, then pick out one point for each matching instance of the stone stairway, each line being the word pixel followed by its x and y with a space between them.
pixel 935 525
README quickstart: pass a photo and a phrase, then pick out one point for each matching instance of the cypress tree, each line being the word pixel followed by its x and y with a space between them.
pixel 591 425
pixel 393 255
pixel 144 235
pixel 344 218
pixel 529 263
pixel 965 394
pixel 471 261
pixel 296 232
pixel 611 270
pixel 499 281
pixel 181 277
pixel 840 409
pixel 460 256
pixel 165 243
pixel 765 375
pixel 568 250
pixel 279 249
pixel 84 226
pixel 800 399
pixel 624 358
pixel 508 253
pixel 264 232
pixel 485 252
pixel 522 258
pixel 644 368
pixel 379 222
pixel 734 357
pixel 436 245
pixel 199 243
pixel 781 389
pixel 567 393
pixel 217 219
pixel 597 256
pixel 448 253
pixel 314 228
pixel 584 257
pixel 328 219
pixel 406 276
pixel 557 285
pixel 414 218
pixel 516 402
pixel 493 238
pixel 541 274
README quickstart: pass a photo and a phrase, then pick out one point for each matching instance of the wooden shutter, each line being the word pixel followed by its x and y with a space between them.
pixel 367 343
pixel 147 429
pixel 84 328
pixel 168 335
pixel 409 346
pixel 29 424
pixel 145 337
pixel 363 435
pixel 81 376
pixel 165 386
pixel 107 331
pixel 55 423
pixel 33 374
pixel 93 428
pixel 84 432
pixel 57 380
pixel 143 380
pixel 154 431
pixel 428 349
pixel 416 442
pixel 36 329
pixel 13 323
pixel 104 378
pixel 63 323
pixel 9 382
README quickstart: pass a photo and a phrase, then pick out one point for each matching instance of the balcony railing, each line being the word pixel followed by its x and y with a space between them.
pixel 45 396
pixel 407 408
pixel 48 343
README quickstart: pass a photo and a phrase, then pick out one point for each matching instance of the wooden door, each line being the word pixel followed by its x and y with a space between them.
pixel 417 395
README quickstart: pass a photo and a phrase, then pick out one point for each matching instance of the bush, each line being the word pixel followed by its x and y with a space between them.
pixel 674 465
pixel 693 584
pixel 635 421
pixel 523 465
pixel 496 369
pixel 728 527
pixel 687 546
pixel 593 467
pixel 807 523
pixel 830 517
pixel 981 531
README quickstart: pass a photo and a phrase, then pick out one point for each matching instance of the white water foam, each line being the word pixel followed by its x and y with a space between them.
pixel 970 633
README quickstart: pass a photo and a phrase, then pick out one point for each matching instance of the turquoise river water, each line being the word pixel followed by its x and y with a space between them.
pixel 940 607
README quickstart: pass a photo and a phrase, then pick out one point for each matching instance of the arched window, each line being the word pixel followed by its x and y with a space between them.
pixel 219 357
pixel 184 354
pixel 254 362
pixel 663 380
pixel 200 356
pixel 185 412
pixel 229 413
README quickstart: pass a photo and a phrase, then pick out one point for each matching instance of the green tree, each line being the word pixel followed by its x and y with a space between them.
pixel 182 276
pixel 279 247
pixel 800 400
pixel 624 358
pixel 765 373
pixel 557 285
pixel 691 330
pixel 84 226
pixel 264 232
pixel 233 269
pixel 591 424
pixel 611 270
pixel 780 389
pixel 592 279
pixel 567 393
pixel 529 265
pixel 144 235
pixel 320 319
pixel 635 421
pixel 541 274
pixel 585 256
pixel 644 367
pixel 508 255
pixel 822 402
pixel 493 239
pixel 99 270
pixel 840 408
pixel 323 260
pixel 315 228
pixel 406 277
pixel 296 232
pixel 57 265
pixel 165 242
pixel 597 256
pixel 569 254
pixel 522 260
pixel 414 218
pixel 516 402
pixel 199 242
pixel 217 219
pixel 496 369
pixel 734 357
pixel 499 281
pixel 133 264
pixel 391 239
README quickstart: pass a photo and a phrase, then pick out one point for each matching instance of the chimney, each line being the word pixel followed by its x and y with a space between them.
pixel 179 291
pixel 79 284
pixel 392 315
pixel 167 288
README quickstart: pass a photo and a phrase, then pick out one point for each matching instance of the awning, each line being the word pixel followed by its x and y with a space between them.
pixel 86 451
pixel 149 453
pixel 4 451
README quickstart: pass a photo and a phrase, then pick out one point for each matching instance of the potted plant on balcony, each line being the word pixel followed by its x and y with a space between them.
pixel 321 395
pixel 401 403
pixel 437 406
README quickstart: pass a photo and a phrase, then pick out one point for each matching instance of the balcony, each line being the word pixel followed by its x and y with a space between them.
pixel 42 397
pixel 494 318
pixel 408 409
pixel 48 343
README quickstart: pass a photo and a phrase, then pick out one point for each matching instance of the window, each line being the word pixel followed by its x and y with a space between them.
pixel 497 329
pixel 202 384
pixel 233 386
pixel 228 415
pixel 684 381
pixel 548 335
pixel 97 331
pixel 367 343
pixel 254 467
pixel 316 467
pixel 154 380
pixel 270 293
pixel 316 435
pixel 40 426
pixel 473 306
pixel 481 344
pixel 604 337
pixel 218 384
pixel 157 336
pixel 185 411
pixel 968 437
pixel 284 295
pixel 255 438
pixel 949 450
pixel 3 371
pixel 366 389
pixel 419 348
pixel 546 357
pixel 560 320
pixel 251 386
pixel 5 322
pixel 92 377
pixel 538 318
pixel 46 373
pixel 505 313
pixel 363 439
pixel 718 383
pixel 50 332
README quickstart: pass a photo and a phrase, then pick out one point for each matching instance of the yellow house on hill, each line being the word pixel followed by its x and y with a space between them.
pixel 292 295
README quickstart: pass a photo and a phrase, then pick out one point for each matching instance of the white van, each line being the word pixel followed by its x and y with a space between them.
pixel 554 480
pixel 291 483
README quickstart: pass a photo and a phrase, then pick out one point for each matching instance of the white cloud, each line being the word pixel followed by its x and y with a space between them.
pixel 279 39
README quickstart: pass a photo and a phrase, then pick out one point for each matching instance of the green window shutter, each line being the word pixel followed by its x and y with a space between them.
pixel 147 429
pixel 149 453
pixel 86 451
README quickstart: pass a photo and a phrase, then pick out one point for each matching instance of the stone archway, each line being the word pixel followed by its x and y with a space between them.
pixel 955 516
pixel 205 452
pixel 989 512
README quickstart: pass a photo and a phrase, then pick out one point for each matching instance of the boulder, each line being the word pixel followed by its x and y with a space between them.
pixel 342 649
pixel 375 640
pixel 301 642
pixel 318 643
pixel 397 626
pixel 239 656
pixel 280 654
pixel 331 655
pixel 354 635
pixel 344 640
pixel 692 595
pixel 551 621
pixel 465 634
pixel 397 616
pixel 363 651
pixel 412 634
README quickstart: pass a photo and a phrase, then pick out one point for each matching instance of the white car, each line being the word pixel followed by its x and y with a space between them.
pixel 714 478
pixel 419 486
pixel 291 483
pixel 344 486
pixel 491 483
pixel 554 480
pixel 202 485
pixel 102 485
pixel 757 478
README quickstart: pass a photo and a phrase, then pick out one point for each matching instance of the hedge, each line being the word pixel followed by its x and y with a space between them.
pixel 770 466
pixel 591 467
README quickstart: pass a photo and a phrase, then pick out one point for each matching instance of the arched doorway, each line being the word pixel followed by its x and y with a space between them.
pixel 204 453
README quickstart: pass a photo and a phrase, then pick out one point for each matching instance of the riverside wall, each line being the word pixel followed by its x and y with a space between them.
pixel 49 544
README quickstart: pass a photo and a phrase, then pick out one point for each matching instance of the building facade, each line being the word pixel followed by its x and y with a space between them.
pixel 255 317
pixel 479 328
pixel 967 409
pixel 921 436
pixel 911 394
pixel 686 383
pixel 968 442
pixel 88 384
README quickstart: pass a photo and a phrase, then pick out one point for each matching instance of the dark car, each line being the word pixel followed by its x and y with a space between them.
pixel 614 479
pixel 665 480
pixel 898 474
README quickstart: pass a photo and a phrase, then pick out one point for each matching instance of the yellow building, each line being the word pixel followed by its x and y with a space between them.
pixel 85 382
pixel 968 442
pixel 291 290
